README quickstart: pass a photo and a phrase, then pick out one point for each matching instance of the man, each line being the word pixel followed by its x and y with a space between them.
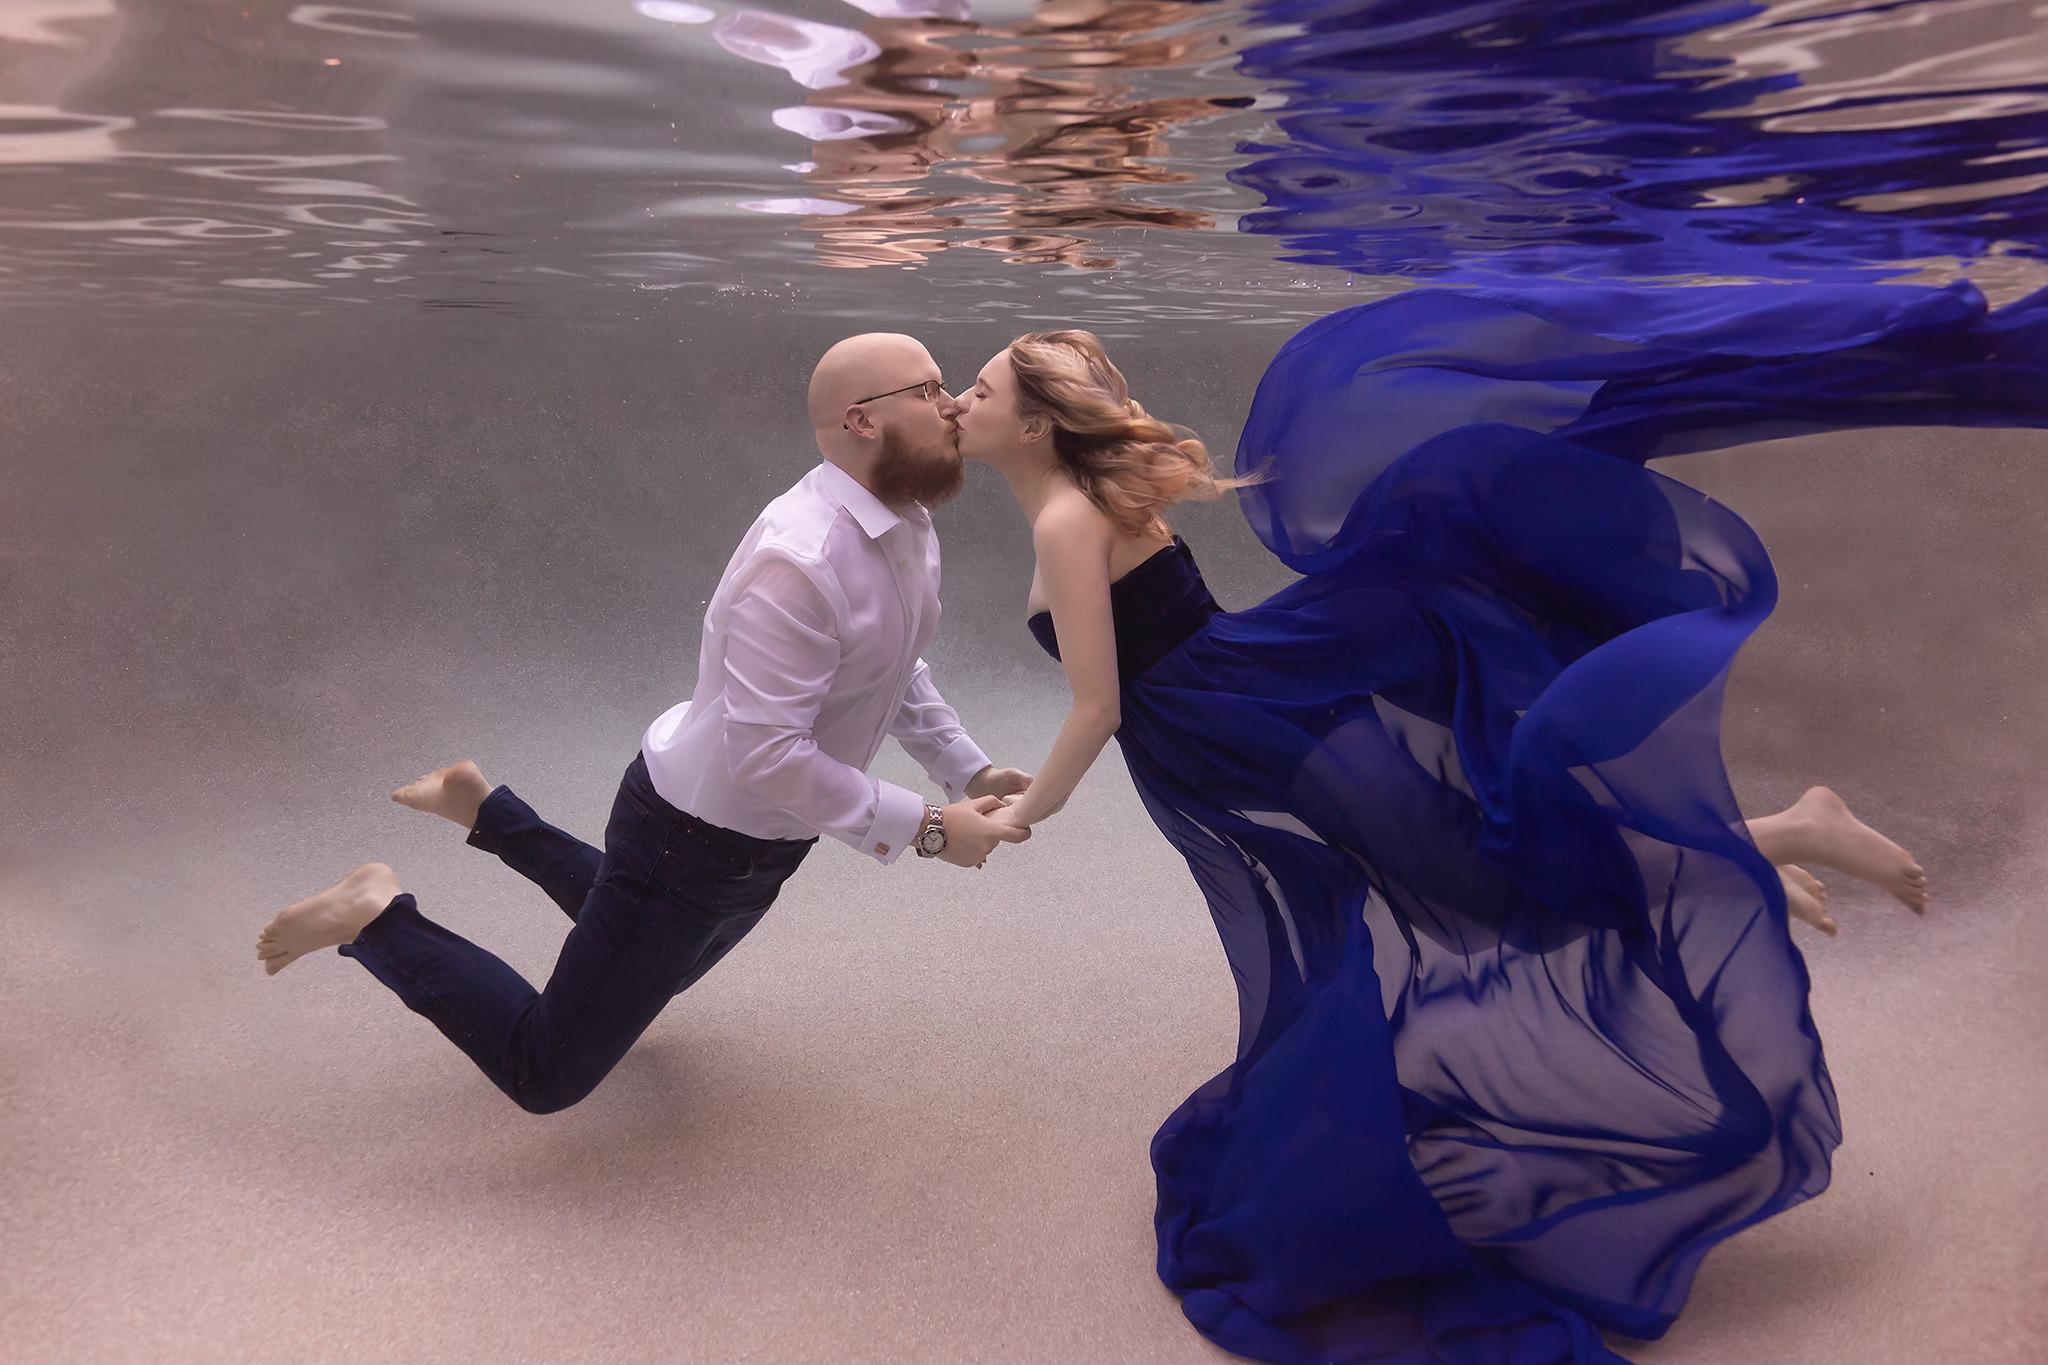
pixel 809 660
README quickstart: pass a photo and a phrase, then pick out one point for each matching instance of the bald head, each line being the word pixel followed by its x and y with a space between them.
pixel 861 366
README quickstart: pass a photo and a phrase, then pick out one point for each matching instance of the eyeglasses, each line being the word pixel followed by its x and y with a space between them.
pixel 930 388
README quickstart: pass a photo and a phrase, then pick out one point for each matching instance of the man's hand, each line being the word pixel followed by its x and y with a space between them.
pixel 994 781
pixel 971 835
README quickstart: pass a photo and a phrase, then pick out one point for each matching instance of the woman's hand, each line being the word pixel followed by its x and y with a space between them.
pixel 1007 815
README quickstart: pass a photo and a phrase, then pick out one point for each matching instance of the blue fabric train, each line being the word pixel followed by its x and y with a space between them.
pixel 1524 1035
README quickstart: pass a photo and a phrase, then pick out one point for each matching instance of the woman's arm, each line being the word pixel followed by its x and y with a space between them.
pixel 1072 538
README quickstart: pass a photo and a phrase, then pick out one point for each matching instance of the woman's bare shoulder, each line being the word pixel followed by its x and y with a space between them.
pixel 1069 514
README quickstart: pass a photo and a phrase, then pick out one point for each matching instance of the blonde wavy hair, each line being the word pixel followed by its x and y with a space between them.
pixel 1129 463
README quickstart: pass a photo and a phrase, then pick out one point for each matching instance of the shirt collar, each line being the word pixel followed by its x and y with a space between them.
pixel 874 516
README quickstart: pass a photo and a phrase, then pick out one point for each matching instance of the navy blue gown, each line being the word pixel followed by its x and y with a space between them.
pixel 1523 1033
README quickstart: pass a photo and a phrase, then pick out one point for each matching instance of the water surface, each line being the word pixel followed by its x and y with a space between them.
pixel 1160 162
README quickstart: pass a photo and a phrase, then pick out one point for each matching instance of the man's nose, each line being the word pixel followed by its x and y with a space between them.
pixel 950 407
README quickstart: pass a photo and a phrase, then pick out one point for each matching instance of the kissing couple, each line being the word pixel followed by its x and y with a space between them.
pixel 1523 1029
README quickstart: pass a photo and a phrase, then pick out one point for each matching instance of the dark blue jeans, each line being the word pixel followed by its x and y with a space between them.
pixel 669 896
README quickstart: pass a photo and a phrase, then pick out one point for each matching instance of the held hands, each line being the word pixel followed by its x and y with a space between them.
pixel 994 781
pixel 1007 816
pixel 972 833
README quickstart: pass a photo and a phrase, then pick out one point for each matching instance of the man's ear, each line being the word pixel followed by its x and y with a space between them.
pixel 857 421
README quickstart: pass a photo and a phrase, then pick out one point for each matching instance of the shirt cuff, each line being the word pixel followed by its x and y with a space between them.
pixel 899 815
pixel 956 765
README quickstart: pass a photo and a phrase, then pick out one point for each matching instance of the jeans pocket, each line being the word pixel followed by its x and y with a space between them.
pixel 696 870
pixel 631 863
pixel 630 823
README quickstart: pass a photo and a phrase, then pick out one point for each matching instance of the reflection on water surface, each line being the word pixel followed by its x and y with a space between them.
pixel 1171 161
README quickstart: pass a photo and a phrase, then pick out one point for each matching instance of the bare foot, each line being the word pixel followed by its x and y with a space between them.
pixel 455 792
pixel 328 920
pixel 1806 898
pixel 1819 828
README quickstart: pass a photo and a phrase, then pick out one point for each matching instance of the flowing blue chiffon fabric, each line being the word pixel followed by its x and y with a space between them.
pixel 1523 1035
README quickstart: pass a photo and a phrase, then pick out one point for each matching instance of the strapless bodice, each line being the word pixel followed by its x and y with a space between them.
pixel 1155 606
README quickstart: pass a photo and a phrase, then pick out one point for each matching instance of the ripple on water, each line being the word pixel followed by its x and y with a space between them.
pixel 1241 162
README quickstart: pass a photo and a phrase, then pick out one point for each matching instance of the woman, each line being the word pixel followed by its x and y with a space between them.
pixel 1479 738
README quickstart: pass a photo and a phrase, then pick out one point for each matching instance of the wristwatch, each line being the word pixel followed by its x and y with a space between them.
pixel 931 840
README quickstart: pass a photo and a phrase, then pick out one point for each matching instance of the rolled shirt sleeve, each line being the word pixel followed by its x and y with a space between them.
pixel 930 732
pixel 782 654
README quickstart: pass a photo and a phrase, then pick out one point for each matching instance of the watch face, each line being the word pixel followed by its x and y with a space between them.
pixel 932 840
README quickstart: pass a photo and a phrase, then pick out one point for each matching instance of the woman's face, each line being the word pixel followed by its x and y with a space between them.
pixel 986 413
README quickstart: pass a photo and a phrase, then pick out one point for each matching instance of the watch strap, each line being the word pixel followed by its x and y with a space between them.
pixel 934 819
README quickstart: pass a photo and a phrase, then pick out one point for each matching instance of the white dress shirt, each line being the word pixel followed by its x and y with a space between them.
pixel 810 660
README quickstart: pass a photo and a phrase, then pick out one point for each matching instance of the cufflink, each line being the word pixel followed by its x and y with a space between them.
pixel 882 849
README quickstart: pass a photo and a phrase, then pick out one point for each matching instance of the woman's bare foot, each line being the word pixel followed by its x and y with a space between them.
pixel 1806 898
pixel 328 920
pixel 1819 828
pixel 455 792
